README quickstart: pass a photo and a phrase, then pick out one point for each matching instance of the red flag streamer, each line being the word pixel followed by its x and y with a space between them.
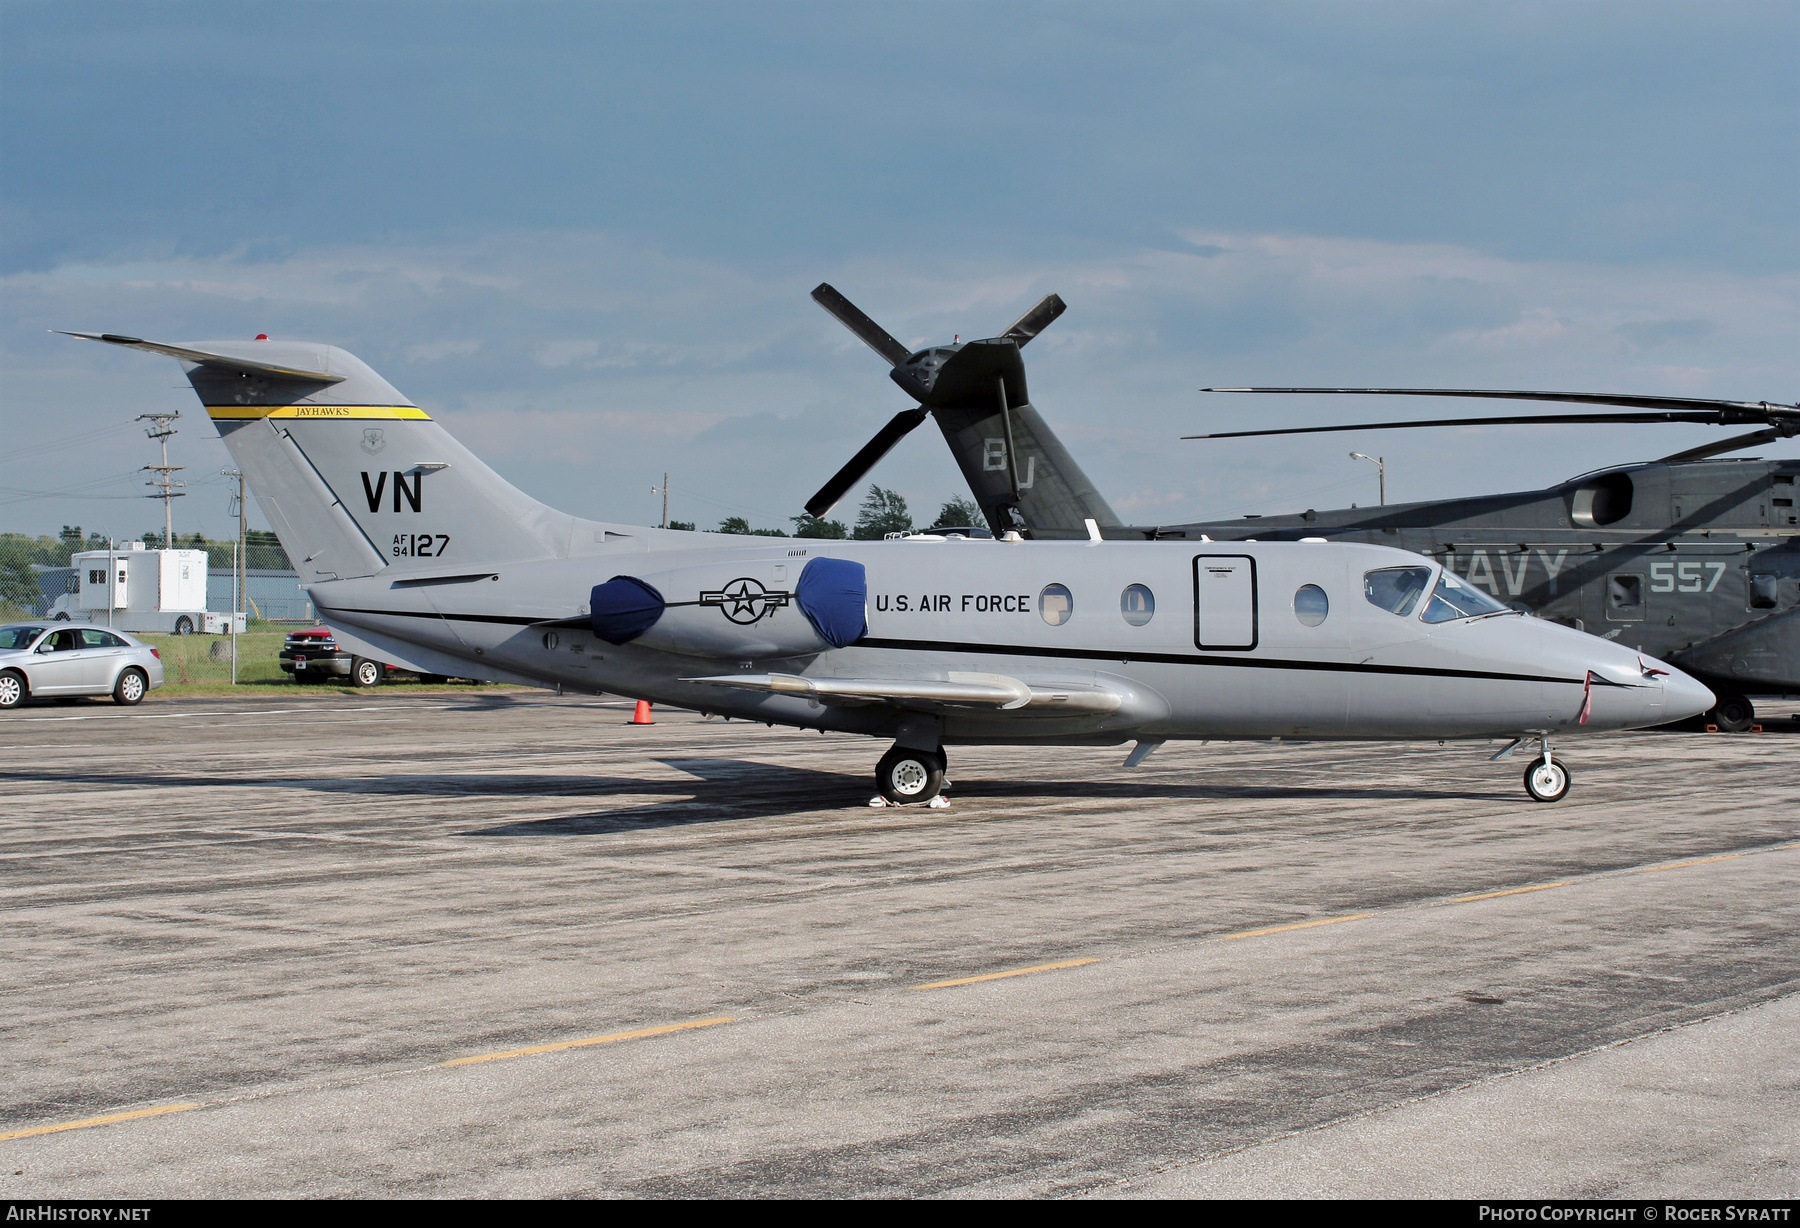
pixel 1587 699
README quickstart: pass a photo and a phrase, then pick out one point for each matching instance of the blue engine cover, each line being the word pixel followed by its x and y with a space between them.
pixel 834 595
pixel 625 607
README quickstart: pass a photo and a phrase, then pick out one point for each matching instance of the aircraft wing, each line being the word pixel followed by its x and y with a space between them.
pixel 993 692
pixel 208 359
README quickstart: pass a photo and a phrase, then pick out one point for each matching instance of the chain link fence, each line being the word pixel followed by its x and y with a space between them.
pixel 41 579
pixel 47 578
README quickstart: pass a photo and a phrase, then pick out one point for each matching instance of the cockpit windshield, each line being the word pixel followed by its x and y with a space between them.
pixel 17 639
pixel 1396 589
pixel 1455 598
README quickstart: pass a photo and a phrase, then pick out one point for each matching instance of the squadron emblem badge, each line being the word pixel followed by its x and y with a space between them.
pixel 374 440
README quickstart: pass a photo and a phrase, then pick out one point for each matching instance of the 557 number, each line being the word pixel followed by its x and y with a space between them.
pixel 420 545
pixel 1671 577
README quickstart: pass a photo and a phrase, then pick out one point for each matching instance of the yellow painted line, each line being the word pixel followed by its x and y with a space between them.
pixel 1000 976
pixel 608 1039
pixel 1298 925
pixel 1494 895
pixel 107 1120
pixel 389 412
pixel 1682 865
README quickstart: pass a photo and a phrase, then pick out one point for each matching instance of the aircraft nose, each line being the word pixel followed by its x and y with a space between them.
pixel 1684 696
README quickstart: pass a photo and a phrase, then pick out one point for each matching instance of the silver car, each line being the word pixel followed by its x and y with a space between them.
pixel 55 660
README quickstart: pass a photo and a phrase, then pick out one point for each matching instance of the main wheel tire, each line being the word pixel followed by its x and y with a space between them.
pixel 1546 781
pixel 62 616
pixel 184 625
pixel 1732 714
pixel 907 776
pixel 364 672
pixel 131 687
pixel 12 689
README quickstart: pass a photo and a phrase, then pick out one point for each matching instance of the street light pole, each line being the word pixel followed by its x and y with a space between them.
pixel 1380 463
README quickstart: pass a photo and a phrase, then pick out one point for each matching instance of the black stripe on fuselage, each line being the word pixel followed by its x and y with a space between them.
pixel 1066 654
pixel 1164 658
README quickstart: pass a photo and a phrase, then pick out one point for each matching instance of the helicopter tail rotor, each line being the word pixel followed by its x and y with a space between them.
pixel 851 317
pixel 858 466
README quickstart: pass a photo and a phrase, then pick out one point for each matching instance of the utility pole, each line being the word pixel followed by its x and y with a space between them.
pixel 1380 463
pixel 160 430
pixel 664 491
pixel 240 580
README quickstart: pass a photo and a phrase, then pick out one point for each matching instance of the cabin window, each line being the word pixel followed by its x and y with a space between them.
pixel 1311 605
pixel 1056 604
pixel 1137 604
pixel 1625 597
pixel 1396 589
pixel 1456 598
pixel 1764 590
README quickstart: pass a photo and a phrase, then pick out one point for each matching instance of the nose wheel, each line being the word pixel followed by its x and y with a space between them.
pixel 1546 780
pixel 910 776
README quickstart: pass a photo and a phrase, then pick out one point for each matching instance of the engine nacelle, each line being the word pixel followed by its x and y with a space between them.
pixel 744 610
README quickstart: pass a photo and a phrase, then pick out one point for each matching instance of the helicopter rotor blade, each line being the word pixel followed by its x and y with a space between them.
pixel 1753 439
pixel 898 427
pixel 1036 320
pixel 1711 418
pixel 1763 409
pixel 851 317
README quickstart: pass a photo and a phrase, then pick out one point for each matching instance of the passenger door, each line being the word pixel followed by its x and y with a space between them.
pixel 105 653
pixel 58 663
pixel 1225 602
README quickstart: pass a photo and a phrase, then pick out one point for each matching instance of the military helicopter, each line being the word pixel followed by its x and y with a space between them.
pixel 1689 558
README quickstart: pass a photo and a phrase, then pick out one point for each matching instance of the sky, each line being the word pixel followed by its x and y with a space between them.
pixel 583 235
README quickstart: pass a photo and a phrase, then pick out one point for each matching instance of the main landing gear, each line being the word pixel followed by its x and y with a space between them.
pixel 906 777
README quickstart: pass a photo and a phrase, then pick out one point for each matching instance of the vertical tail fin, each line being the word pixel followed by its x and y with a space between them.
pixel 352 476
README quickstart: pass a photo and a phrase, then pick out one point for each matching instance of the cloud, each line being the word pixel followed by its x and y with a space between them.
pixel 585 364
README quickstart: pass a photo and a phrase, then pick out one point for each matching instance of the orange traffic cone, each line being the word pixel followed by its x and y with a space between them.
pixel 642 714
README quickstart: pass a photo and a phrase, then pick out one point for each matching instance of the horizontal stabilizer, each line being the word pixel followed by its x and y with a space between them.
pixel 1036 320
pixel 208 359
pixel 991 691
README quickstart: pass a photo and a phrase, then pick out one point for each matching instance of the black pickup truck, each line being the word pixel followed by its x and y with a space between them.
pixel 313 655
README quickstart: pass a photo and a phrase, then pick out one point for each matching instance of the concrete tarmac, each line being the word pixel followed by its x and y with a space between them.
pixel 252 946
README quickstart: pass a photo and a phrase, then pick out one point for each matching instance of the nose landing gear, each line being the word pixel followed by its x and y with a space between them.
pixel 1546 780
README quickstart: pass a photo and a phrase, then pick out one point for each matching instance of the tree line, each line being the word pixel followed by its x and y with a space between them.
pixel 262 552
pixel 883 512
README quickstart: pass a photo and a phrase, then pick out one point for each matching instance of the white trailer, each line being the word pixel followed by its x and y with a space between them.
pixel 135 589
